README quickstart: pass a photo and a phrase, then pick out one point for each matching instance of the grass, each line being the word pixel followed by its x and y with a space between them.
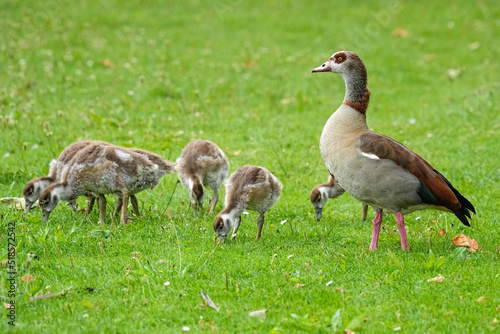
pixel 157 75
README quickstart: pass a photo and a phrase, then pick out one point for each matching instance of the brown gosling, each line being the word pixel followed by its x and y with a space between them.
pixel 35 187
pixel 329 190
pixel 202 164
pixel 249 187
pixel 103 170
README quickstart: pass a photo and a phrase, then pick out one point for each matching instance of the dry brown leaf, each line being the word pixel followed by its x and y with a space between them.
pixel 481 299
pixel 366 319
pixel 7 305
pixel 348 331
pixel 107 63
pixel 28 278
pixel 237 153
pixel 400 32
pixel 438 278
pixel 442 233
pixel 298 285
pixel 462 240
pixel 49 295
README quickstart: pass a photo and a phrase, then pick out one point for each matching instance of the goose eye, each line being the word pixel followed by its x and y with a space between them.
pixel 339 59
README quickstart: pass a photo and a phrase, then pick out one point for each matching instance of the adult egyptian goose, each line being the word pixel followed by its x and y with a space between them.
pixel 374 168
pixel 35 187
pixel 101 170
pixel 329 190
pixel 249 187
pixel 202 164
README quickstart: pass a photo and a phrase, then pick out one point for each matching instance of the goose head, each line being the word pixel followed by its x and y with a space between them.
pixel 30 194
pixel 48 201
pixel 33 189
pixel 318 201
pixel 196 194
pixel 222 227
pixel 344 63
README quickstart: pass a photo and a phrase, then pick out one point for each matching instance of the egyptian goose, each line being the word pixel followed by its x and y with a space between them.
pixel 374 168
pixel 35 187
pixel 101 170
pixel 202 164
pixel 249 187
pixel 329 190
pixel 162 163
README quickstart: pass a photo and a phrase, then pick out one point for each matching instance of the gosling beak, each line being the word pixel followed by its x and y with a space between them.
pixel 45 215
pixel 326 67
pixel 27 205
pixel 319 213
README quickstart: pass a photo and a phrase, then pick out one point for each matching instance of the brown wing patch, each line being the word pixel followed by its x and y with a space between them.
pixel 387 148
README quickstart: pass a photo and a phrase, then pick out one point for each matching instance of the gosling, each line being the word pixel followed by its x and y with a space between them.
pixel 35 187
pixel 329 190
pixel 101 170
pixel 202 164
pixel 249 187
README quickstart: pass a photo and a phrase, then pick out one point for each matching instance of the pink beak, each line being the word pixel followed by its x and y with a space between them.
pixel 323 68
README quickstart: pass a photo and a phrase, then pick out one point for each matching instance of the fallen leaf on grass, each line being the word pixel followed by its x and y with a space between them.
pixel 298 285
pixel 462 240
pixel 452 73
pixel 7 305
pixel 474 46
pixel 107 63
pixel 15 203
pixel 400 32
pixel 287 100
pixel 348 331
pixel 48 295
pixel 481 299
pixel 208 300
pixel 442 233
pixel 237 153
pixel 438 278
pixel 261 314
pixel 398 315
pixel 28 278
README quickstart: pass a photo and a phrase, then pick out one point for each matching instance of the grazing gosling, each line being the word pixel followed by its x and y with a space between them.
pixel 162 163
pixel 329 190
pixel 202 164
pixel 249 187
pixel 103 170
pixel 35 187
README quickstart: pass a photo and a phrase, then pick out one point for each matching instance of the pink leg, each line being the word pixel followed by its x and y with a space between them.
pixel 377 223
pixel 402 231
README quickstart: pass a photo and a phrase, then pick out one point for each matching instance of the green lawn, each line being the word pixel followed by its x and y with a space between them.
pixel 159 74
